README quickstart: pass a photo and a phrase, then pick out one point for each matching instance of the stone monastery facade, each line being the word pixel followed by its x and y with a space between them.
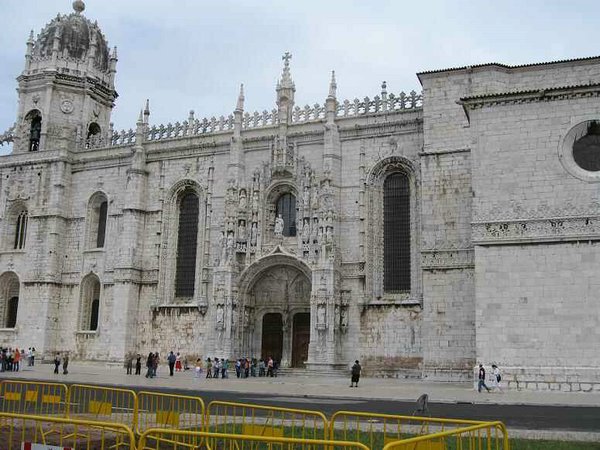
pixel 421 233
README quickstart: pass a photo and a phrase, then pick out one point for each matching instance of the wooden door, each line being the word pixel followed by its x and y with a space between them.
pixel 300 339
pixel 272 336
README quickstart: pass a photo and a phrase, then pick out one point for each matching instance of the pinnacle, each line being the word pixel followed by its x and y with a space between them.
pixel 78 6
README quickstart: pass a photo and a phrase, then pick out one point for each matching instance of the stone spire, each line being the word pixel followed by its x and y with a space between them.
pixel 240 100
pixel 332 85
pixel 285 91
pixel 147 111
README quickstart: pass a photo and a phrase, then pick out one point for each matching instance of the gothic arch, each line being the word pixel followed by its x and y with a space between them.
pixel 96 220
pixel 9 299
pixel 89 302
pixel 257 269
pixel 32 129
pixel 170 239
pixel 374 270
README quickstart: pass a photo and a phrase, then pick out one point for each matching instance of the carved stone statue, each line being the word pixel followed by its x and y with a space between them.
pixel 279 225
pixel 321 314
pixel 242 231
pixel 220 314
pixel 306 231
pixel 243 199
pixel 230 244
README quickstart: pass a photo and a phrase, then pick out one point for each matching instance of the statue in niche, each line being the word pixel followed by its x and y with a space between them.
pixel 306 231
pixel 243 199
pixel 220 315
pixel 253 234
pixel 234 315
pixel 230 244
pixel 314 232
pixel 223 245
pixel 306 197
pixel 255 200
pixel 329 235
pixel 279 225
pixel 321 314
pixel 246 317
pixel 344 317
pixel 242 231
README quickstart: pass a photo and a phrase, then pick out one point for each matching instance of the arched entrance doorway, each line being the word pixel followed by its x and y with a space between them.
pixel 276 302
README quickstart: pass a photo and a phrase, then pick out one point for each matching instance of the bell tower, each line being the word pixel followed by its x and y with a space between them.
pixel 66 90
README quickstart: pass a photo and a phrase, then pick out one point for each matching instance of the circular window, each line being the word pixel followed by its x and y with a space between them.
pixel 579 151
pixel 586 150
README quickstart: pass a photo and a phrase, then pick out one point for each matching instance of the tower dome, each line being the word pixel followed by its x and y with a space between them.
pixel 75 36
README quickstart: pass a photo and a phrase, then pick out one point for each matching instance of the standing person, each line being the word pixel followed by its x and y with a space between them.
pixel 65 364
pixel 481 378
pixel 32 356
pixel 238 367
pixel 171 359
pixel 208 368
pixel 138 364
pixel 149 365
pixel 29 357
pixel 224 369
pixel 198 368
pixel 355 374
pixel 17 360
pixel 216 368
pixel 497 378
pixel 129 364
pixel 270 367
pixel 155 363
pixel 178 362
pixel 56 362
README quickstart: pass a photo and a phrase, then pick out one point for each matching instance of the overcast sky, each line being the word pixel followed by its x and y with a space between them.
pixel 193 54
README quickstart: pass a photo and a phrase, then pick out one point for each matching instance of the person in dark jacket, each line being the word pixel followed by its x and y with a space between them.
pixel 355 371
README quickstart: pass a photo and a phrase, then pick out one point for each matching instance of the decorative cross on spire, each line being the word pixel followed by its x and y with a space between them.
pixel 286 77
pixel 286 57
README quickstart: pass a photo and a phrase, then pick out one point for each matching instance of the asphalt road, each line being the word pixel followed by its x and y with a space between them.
pixel 527 417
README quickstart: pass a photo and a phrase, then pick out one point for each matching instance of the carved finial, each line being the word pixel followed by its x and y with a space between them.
pixel 140 118
pixel 384 88
pixel 240 100
pixel 286 77
pixel 114 53
pixel 332 85
pixel 78 6
pixel 31 36
pixel 191 116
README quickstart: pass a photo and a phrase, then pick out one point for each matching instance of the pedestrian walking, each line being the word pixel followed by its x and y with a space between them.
pixel 56 362
pixel 355 374
pixel 178 362
pixel 138 364
pixel 149 362
pixel 65 364
pixel 208 368
pixel 270 367
pixel 497 377
pixel 171 359
pixel 198 368
pixel 129 364
pixel 481 377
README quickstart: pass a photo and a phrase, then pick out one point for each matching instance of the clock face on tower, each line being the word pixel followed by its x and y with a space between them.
pixel 66 106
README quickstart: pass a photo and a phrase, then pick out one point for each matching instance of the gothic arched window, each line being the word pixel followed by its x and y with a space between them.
pixel 286 206
pixel 34 118
pixel 187 242
pixel 21 230
pixel 96 218
pixel 396 233
pixel 9 299
pixel 90 303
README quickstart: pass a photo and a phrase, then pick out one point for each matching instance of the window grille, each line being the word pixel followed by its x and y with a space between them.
pixel 187 242
pixel 396 233
pixel 286 206
pixel 21 230
pixel 101 224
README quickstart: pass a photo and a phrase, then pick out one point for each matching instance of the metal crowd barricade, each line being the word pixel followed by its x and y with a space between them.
pixel 163 439
pixel 18 431
pixel 376 430
pixel 102 404
pixel 484 436
pixel 28 397
pixel 159 410
pixel 259 420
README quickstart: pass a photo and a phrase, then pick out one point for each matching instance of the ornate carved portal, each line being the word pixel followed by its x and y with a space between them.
pixel 280 323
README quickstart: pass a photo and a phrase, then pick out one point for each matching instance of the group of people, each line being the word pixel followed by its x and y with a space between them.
pixel 12 358
pixel 495 379
pixel 244 367
pixel 65 363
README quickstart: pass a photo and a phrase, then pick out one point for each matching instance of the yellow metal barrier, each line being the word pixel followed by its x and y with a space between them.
pixel 158 410
pixel 259 420
pixel 485 436
pixel 19 430
pixel 102 404
pixel 38 398
pixel 161 439
pixel 376 430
